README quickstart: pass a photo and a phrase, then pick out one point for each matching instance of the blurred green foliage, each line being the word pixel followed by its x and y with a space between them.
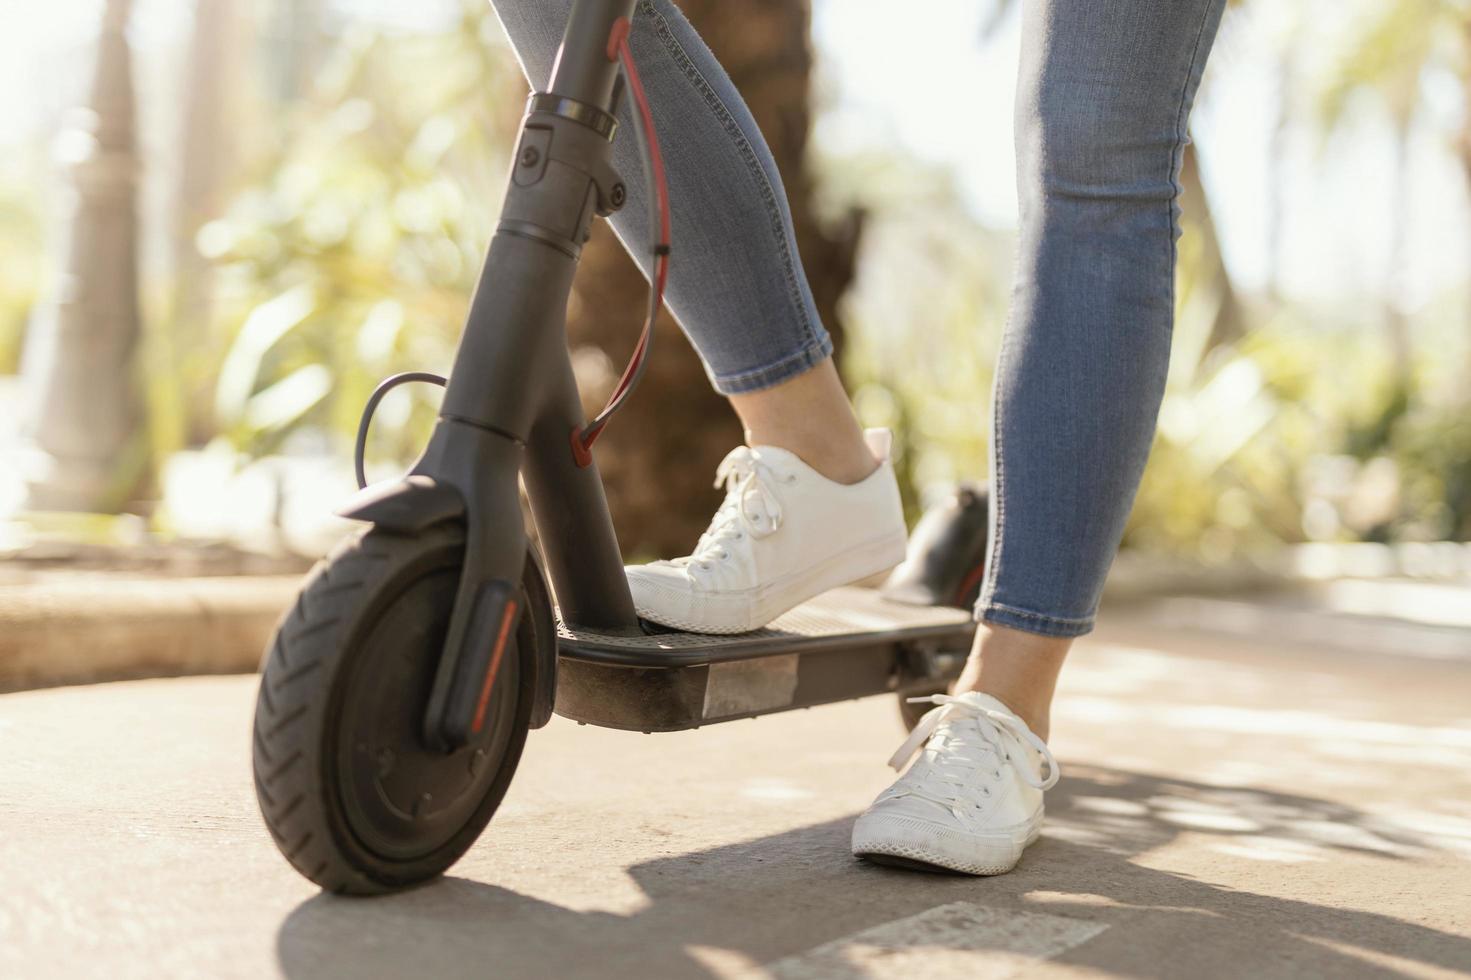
pixel 1391 53
pixel 1294 417
pixel 354 250
pixel 922 318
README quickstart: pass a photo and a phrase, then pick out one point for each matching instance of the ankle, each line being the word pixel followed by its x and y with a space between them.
pixel 809 415
pixel 1018 669
pixel 839 460
pixel 1037 714
pixel 1038 718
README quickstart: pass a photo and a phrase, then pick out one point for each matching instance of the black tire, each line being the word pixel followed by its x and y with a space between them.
pixel 337 751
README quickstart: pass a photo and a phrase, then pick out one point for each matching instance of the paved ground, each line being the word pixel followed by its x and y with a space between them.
pixel 1230 808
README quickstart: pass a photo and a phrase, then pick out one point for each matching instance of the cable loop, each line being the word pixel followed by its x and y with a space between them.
pixel 384 387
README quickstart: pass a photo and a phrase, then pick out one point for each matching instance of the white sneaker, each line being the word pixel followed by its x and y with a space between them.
pixel 971 802
pixel 784 534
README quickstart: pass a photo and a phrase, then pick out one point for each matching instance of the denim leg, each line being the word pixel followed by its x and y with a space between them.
pixel 736 284
pixel 1104 92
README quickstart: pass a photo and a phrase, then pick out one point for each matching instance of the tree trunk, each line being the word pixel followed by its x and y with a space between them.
pixel 1228 324
pixel 660 452
pixel 209 149
pixel 82 347
pixel 1279 177
pixel 1463 144
pixel 296 44
pixel 1396 323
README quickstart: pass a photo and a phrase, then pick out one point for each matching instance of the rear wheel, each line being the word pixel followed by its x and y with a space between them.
pixel 354 799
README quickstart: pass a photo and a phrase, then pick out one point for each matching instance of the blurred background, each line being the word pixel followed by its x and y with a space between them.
pixel 222 222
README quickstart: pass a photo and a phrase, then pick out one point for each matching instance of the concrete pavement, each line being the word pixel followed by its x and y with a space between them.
pixel 1229 808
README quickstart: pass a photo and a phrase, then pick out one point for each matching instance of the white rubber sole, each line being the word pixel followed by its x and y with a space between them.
pixel 924 846
pixel 750 609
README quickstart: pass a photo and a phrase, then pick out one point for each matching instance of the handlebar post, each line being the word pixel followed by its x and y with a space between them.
pixel 583 70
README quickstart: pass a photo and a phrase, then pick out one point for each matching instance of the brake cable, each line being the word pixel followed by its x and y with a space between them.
pixel 653 160
pixel 648 143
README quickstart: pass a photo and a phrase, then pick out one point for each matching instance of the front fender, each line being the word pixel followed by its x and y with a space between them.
pixel 418 502
pixel 539 629
pixel 409 505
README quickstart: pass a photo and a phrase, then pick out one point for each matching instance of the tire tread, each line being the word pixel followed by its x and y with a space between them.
pixel 300 667
pixel 294 687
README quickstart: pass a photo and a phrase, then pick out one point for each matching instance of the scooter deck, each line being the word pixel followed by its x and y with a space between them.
pixel 848 643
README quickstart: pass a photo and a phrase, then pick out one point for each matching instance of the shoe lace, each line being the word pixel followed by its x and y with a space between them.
pixel 750 506
pixel 973 733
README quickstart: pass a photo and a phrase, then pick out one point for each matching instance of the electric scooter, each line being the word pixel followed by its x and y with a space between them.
pixel 399 689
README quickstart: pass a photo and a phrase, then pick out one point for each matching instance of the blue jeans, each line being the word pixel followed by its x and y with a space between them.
pixel 1105 90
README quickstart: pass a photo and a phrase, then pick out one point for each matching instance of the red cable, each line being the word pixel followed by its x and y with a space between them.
pixel 618 47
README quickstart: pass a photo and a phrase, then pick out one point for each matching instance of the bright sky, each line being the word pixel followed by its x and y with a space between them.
pixel 931 85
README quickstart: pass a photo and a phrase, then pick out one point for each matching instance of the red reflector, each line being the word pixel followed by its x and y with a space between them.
pixel 507 617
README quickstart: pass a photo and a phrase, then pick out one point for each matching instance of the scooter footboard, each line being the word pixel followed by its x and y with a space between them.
pixel 845 644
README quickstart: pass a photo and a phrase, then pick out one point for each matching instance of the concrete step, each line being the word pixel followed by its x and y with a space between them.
pixel 83 628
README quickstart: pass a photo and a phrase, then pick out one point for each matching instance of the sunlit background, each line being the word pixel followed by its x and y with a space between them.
pixel 223 221
pixel 317 180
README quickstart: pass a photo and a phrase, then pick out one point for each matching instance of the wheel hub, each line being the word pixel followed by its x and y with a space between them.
pixel 401 798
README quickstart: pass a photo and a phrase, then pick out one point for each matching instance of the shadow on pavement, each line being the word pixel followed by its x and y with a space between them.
pixel 757 901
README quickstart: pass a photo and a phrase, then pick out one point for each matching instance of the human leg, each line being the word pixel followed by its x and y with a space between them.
pixel 736 284
pixel 737 288
pixel 1105 90
pixel 1104 95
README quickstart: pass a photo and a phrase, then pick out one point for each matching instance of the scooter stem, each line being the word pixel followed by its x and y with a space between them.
pixel 512 398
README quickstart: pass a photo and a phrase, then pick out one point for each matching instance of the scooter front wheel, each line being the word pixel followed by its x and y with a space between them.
pixel 353 797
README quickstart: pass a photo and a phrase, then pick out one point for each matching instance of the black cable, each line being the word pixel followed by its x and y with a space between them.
pixel 384 387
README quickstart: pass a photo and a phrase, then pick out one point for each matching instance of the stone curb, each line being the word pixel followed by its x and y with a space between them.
pixel 75 627
pixel 89 628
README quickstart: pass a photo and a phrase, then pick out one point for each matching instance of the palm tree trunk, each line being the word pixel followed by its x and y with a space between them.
pixel 1228 323
pixel 1464 146
pixel 81 350
pixel 1397 325
pixel 296 45
pixel 658 456
pixel 1278 176
pixel 209 146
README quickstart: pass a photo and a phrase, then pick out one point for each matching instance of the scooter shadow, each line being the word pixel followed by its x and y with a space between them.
pixel 739 906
